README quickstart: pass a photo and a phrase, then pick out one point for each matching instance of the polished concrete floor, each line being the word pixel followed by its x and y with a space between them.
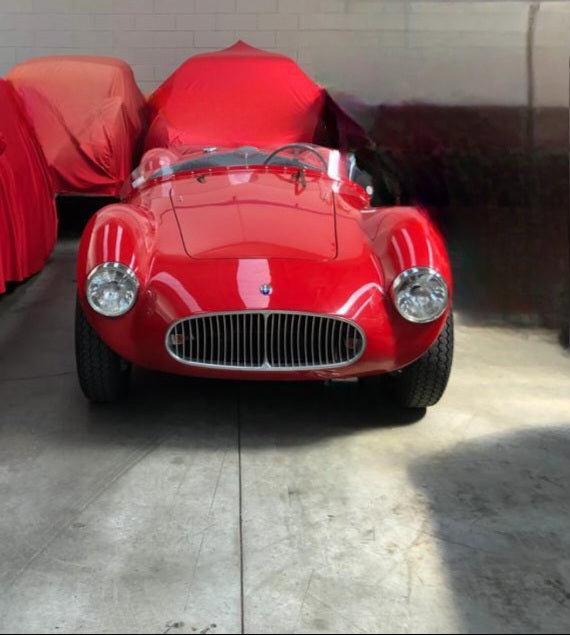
pixel 208 507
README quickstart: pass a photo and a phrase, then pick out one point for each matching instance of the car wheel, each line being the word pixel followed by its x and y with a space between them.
pixel 104 376
pixel 422 383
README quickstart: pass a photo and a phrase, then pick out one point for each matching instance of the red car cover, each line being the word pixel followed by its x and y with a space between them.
pixel 89 116
pixel 28 222
pixel 238 96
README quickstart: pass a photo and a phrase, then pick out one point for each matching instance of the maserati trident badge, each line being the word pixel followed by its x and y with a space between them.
pixel 266 289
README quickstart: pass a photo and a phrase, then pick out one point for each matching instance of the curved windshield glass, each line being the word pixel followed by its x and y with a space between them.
pixel 246 157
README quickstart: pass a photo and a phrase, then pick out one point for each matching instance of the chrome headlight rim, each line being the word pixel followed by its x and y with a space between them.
pixel 127 272
pixel 412 272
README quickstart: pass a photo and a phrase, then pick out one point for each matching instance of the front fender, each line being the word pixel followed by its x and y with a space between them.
pixel 401 238
pixel 117 233
pixel 405 237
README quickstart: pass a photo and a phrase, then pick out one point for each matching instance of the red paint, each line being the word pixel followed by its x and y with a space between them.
pixel 318 247
pixel 263 215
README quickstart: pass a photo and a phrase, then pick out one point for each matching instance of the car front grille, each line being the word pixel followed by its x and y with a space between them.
pixel 265 340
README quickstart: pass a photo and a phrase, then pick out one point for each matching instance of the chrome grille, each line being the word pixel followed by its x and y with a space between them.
pixel 265 340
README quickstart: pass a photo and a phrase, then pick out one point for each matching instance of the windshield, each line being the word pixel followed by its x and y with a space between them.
pixel 246 157
pixel 160 163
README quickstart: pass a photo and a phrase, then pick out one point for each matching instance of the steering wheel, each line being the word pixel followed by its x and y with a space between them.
pixel 302 147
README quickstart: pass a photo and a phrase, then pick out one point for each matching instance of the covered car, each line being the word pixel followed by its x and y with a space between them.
pixel 89 116
pixel 28 221
pixel 240 95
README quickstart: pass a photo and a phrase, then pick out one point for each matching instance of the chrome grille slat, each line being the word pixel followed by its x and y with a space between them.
pixel 312 362
pixel 213 340
pixel 319 342
pixel 231 352
pixel 241 331
pixel 305 330
pixel 283 344
pixel 238 341
pixel 218 339
pixel 278 339
pixel 224 347
pixel 325 344
pixel 259 332
pixel 298 331
pixel 336 340
pixel 198 341
pixel 243 339
pixel 265 340
pixel 292 333
pixel 204 342
pixel 250 334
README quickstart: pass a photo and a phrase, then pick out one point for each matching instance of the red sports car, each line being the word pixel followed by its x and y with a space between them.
pixel 263 264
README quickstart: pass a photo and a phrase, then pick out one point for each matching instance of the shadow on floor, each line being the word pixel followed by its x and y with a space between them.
pixel 287 413
pixel 500 509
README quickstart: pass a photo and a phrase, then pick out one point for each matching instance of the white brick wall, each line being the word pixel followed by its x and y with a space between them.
pixel 462 51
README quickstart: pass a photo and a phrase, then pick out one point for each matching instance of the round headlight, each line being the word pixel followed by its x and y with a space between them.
pixel 112 289
pixel 420 294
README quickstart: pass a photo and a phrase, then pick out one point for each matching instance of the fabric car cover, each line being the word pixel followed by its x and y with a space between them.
pixel 28 221
pixel 238 96
pixel 89 116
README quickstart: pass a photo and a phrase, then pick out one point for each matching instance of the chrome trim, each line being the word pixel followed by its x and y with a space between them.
pixel 404 275
pixel 127 272
pixel 351 160
pixel 268 359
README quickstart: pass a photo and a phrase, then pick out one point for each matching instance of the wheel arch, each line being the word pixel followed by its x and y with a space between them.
pixel 117 233
pixel 405 237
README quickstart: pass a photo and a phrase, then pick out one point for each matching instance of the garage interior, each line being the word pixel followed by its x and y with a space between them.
pixel 209 506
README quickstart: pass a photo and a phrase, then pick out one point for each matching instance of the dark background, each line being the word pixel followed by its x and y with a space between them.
pixel 496 180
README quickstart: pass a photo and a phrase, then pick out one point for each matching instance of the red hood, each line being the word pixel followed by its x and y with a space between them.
pixel 248 214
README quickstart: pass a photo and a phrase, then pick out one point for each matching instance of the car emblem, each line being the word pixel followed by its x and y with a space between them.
pixel 266 289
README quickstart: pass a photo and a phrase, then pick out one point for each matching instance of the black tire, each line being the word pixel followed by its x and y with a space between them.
pixel 104 377
pixel 422 383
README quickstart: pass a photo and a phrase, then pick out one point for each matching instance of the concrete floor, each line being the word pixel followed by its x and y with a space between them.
pixel 208 507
